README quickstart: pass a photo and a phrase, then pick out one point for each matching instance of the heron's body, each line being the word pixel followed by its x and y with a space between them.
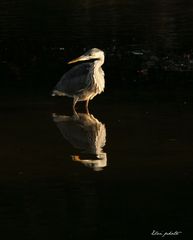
pixel 84 81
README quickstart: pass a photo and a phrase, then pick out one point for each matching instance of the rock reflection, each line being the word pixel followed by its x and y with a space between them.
pixel 87 135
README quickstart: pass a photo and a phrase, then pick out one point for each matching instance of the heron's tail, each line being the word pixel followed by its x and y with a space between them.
pixel 60 118
pixel 58 93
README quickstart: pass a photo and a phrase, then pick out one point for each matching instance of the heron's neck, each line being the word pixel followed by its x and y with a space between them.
pixel 99 62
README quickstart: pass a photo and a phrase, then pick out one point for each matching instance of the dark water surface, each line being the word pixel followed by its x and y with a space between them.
pixel 144 42
pixel 153 24
pixel 145 186
pixel 140 133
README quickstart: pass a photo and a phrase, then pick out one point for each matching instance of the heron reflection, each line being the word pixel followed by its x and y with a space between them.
pixel 86 134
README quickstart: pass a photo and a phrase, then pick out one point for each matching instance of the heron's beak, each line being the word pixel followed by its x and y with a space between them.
pixel 81 58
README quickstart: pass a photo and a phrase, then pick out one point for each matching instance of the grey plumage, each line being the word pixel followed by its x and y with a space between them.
pixel 76 80
pixel 84 81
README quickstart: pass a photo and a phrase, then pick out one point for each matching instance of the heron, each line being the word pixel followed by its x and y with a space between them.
pixel 85 80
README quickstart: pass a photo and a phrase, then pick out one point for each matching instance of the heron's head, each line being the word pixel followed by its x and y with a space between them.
pixel 92 54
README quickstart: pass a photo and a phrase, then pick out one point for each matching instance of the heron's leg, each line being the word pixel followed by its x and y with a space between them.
pixel 87 110
pixel 75 100
pixel 75 115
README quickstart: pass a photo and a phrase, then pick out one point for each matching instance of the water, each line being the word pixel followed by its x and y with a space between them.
pixel 142 41
pixel 154 24
pixel 135 177
pixel 144 186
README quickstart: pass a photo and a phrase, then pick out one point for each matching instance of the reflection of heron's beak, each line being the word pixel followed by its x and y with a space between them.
pixel 76 158
pixel 81 58
pixel 96 165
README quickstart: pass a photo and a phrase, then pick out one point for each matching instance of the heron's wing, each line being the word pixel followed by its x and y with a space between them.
pixel 76 79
